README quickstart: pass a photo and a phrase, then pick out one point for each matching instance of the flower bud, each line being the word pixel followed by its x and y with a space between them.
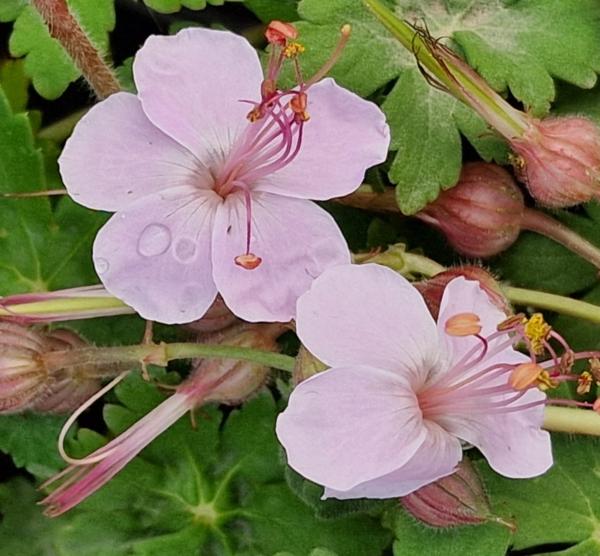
pixel 433 288
pixel 481 215
pixel 27 382
pixel 559 160
pixel 458 499
pixel 218 317
pixel 232 381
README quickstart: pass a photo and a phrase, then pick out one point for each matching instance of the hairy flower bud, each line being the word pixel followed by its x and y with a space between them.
pixel 433 288
pixel 27 382
pixel 559 160
pixel 458 499
pixel 232 381
pixel 481 215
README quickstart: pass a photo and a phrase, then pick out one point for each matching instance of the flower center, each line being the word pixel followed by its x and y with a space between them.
pixel 273 137
pixel 478 383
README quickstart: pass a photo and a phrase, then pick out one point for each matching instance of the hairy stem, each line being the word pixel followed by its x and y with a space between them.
pixel 545 225
pixel 63 27
pixel 568 419
pixel 161 354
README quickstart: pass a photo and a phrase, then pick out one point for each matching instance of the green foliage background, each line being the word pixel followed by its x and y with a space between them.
pixel 223 488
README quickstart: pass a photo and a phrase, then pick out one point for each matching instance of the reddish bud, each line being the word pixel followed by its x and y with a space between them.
pixel 433 288
pixel 559 160
pixel 232 381
pixel 458 499
pixel 481 215
pixel 218 317
pixel 279 32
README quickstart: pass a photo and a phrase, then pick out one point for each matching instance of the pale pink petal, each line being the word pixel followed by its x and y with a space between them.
pixel 467 296
pixel 512 442
pixel 155 255
pixel 369 315
pixel 191 85
pixel 116 155
pixel 344 136
pixel 436 458
pixel 296 240
pixel 349 425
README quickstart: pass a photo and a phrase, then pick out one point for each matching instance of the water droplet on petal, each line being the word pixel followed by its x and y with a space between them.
pixel 154 241
pixel 185 249
pixel 102 265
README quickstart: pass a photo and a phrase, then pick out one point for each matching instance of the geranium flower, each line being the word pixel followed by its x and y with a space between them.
pixel 211 194
pixel 403 393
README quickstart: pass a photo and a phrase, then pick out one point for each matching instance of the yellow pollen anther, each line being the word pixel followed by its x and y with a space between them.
pixel 584 382
pixel 544 381
pixel 293 49
pixel 463 324
pixel 595 368
pixel 537 331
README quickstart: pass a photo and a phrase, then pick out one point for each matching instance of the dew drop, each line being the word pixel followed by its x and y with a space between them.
pixel 185 249
pixel 102 265
pixel 155 240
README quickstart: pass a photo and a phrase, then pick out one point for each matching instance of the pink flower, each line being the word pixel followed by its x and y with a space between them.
pixel 209 196
pixel 403 393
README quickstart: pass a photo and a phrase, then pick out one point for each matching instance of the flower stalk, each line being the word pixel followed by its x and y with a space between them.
pixel 161 354
pixel 537 221
pixel 571 420
pixel 63 27
pixel 409 264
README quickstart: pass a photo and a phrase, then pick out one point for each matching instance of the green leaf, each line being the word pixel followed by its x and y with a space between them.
pixel 172 6
pixel 14 82
pixel 31 441
pixel 47 62
pixel 41 248
pixel 413 537
pixel 509 43
pixel 218 489
pixel 268 10
pixel 10 9
pixel 573 480
pixel 24 531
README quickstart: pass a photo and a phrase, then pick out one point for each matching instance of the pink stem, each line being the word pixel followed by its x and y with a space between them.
pixel 536 221
pixel 66 29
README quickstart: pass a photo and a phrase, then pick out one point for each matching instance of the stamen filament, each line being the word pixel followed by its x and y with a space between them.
pixel 335 56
